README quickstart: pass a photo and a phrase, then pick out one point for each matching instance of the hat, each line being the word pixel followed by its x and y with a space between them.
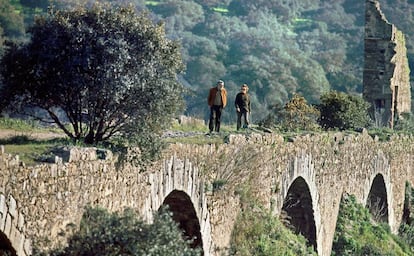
pixel 220 82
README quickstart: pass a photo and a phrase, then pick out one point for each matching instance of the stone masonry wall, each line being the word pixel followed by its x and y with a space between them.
pixel 52 197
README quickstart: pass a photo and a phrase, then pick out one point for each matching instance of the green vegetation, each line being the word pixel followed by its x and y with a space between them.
pixel 277 47
pixel 406 230
pixel 23 139
pixel 18 124
pixel 30 151
pixel 259 232
pixel 109 234
pixel 356 234
pixel 343 111
pixel 296 115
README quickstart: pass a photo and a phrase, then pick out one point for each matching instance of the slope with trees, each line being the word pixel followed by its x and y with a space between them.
pixel 277 47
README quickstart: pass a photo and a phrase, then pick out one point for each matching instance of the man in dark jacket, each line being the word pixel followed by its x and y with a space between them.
pixel 217 100
pixel 242 104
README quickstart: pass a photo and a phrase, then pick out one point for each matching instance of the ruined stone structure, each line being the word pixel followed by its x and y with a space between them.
pixel 386 79
pixel 305 177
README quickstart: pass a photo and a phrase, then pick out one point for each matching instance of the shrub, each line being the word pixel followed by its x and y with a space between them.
pixel 103 233
pixel 295 115
pixel 356 234
pixel 259 232
pixel 343 111
pixel 405 123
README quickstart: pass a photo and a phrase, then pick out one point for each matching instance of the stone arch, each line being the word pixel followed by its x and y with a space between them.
pixel 377 200
pixel 6 247
pixel 184 214
pixel 299 210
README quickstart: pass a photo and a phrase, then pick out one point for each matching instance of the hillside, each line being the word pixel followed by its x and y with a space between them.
pixel 277 48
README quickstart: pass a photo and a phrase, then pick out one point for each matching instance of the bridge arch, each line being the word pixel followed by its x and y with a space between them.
pixel 179 185
pixel 179 203
pixel 377 200
pixel 299 209
pixel 301 177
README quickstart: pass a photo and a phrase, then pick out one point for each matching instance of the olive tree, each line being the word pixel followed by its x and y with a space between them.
pixel 96 73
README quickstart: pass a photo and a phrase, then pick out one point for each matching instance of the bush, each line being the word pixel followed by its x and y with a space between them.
pixel 259 232
pixel 405 123
pixel 343 111
pixel 295 115
pixel 356 234
pixel 103 233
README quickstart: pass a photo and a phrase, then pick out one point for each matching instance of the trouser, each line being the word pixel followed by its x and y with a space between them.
pixel 215 116
pixel 245 116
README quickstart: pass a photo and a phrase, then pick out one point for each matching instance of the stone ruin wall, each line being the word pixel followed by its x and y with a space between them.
pixel 386 77
pixel 43 199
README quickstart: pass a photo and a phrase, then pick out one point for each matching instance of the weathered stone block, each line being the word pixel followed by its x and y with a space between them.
pixel 27 246
pixel 17 240
pixel 12 206
pixel 3 212
pixel 8 226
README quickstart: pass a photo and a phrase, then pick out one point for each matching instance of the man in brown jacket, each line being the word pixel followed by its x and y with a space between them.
pixel 217 100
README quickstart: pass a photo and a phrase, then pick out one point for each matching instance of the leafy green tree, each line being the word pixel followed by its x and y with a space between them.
pixel 284 10
pixel 106 71
pixel 35 3
pixel 180 15
pixel 343 111
pixel 11 20
pixel 112 234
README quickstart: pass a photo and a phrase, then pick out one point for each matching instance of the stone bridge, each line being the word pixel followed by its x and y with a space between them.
pixel 305 177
